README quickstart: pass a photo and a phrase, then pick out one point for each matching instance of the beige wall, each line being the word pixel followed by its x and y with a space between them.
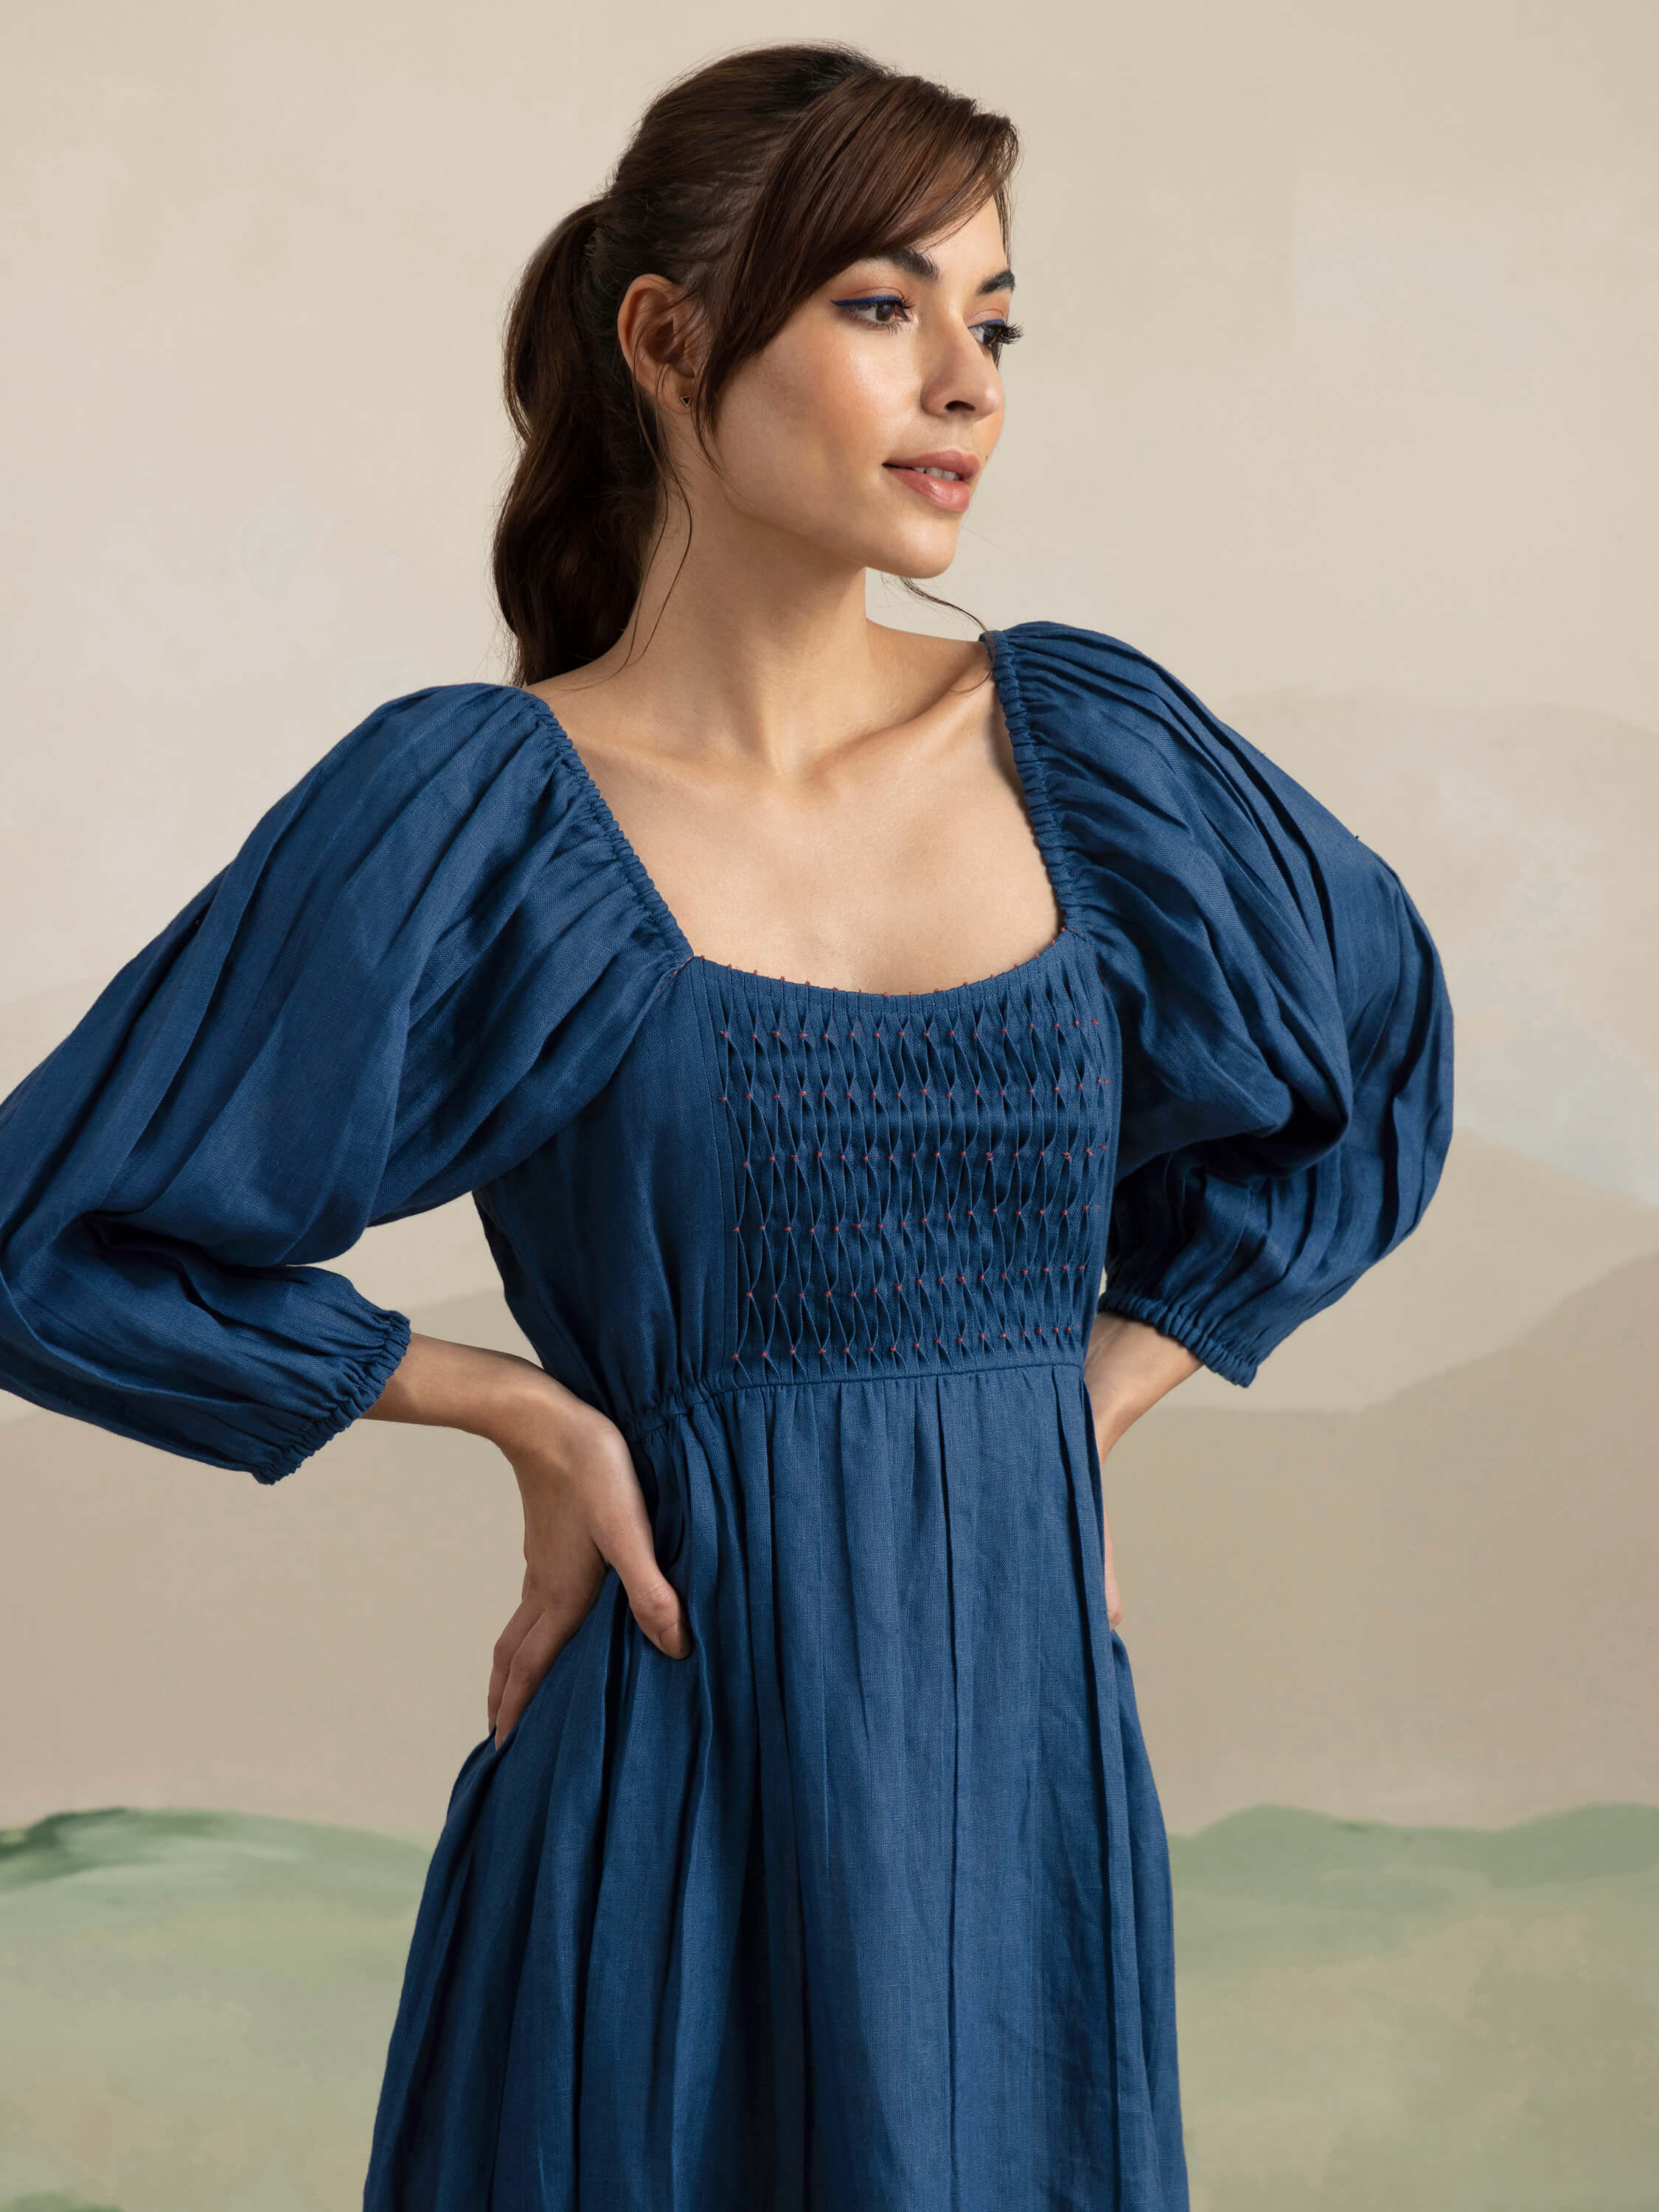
pixel 1336 396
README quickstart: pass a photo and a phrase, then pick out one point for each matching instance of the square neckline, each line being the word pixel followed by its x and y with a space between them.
pixel 1028 771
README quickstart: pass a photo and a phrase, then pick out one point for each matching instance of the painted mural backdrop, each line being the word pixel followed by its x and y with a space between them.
pixel 1337 399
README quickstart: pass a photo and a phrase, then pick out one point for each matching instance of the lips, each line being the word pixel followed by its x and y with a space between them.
pixel 943 479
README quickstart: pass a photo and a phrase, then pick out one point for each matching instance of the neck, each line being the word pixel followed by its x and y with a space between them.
pixel 754 641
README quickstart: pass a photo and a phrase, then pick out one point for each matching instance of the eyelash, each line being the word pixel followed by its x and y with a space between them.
pixel 1002 333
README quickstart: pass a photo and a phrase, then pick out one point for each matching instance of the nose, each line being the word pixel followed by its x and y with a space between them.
pixel 961 378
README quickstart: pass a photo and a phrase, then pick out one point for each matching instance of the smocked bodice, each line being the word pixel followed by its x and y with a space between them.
pixel 865 1185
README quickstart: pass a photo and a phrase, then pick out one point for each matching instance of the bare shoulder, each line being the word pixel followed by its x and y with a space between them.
pixel 930 670
pixel 572 682
pixel 939 659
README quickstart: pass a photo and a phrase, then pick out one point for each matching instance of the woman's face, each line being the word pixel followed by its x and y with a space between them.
pixel 862 427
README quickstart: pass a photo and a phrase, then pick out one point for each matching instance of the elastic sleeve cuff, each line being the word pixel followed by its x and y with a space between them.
pixel 364 1378
pixel 1186 1326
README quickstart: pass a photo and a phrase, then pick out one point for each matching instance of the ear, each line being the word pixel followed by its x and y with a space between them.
pixel 655 329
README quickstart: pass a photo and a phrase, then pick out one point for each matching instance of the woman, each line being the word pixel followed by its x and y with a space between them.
pixel 814 1010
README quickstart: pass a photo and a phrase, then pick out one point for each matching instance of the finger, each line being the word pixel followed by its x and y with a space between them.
pixel 626 1543
pixel 507 1645
pixel 538 1647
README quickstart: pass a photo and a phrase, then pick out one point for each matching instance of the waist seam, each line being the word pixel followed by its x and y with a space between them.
pixel 663 1412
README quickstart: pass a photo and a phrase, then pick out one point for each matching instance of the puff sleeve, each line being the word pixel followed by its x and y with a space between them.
pixel 1286 1084
pixel 404 981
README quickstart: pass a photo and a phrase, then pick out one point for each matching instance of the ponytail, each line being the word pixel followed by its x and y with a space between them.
pixel 571 533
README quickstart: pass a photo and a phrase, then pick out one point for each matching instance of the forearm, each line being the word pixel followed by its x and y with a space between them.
pixel 508 1401
pixel 1128 1367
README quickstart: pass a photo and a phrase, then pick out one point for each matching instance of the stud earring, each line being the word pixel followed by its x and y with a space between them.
pixel 686 400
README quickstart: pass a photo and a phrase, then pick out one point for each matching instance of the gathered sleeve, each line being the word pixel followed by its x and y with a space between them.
pixel 1286 1082
pixel 408 978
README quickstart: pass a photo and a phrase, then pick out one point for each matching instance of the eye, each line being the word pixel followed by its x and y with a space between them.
pixel 993 335
pixel 880 310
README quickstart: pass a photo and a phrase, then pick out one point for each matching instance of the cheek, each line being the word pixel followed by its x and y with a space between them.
pixel 801 422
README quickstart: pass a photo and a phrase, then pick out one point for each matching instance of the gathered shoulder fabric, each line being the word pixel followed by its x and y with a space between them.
pixel 1286 1032
pixel 424 958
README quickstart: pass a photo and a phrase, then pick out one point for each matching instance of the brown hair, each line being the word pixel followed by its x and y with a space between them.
pixel 747 184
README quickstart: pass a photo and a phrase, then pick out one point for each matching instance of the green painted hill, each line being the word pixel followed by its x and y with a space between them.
pixel 1376 2019
pixel 194 2008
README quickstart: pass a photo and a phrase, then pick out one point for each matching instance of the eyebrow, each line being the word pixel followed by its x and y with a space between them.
pixel 917 264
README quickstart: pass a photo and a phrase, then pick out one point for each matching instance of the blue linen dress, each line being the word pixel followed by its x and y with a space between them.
pixel 863 1906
